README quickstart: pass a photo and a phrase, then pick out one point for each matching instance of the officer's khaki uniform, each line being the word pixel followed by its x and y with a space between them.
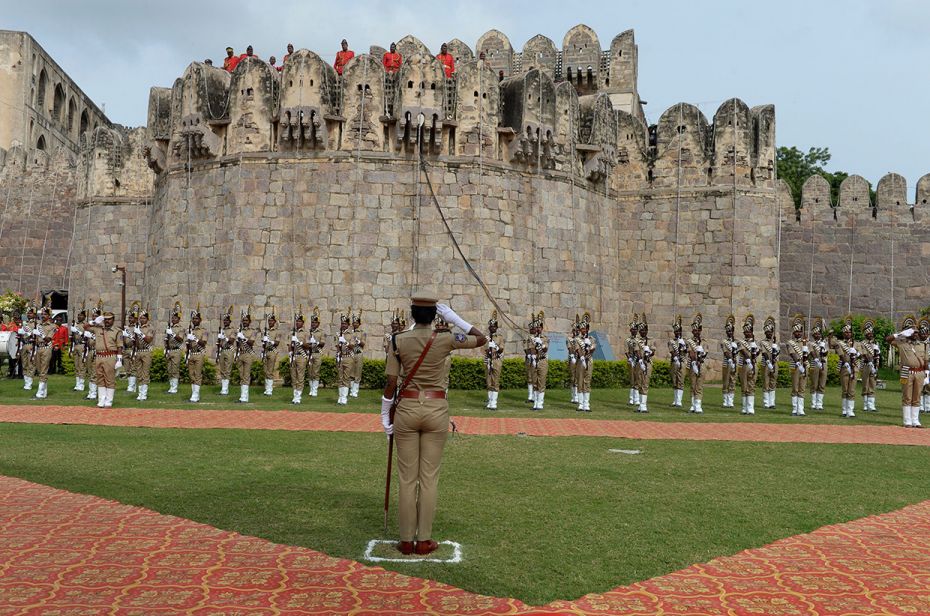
pixel 644 353
pixel 316 360
pixel 275 337
pixel 676 347
pixel 846 351
pixel 913 372
pixel 730 348
pixel 173 345
pixel 586 348
pixel 632 344
pixel 770 373
pixel 247 355
pixel 130 363
pixel 493 362
pixel 529 350
pixel 798 353
pixel 227 351
pixel 747 352
pixel 571 346
pixel 108 343
pixel 540 363
pixel 344 361
pixel 818 367
pixel 77 355
pixel 299 356
pixel 421 425
pixel 357 343
pixel 869 359
pixel 197 355
pixel 44 349
pixel 25 352
pixel 144 353
pixel 696 355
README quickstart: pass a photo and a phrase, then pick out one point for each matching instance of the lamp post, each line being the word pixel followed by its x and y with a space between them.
pixel 122 283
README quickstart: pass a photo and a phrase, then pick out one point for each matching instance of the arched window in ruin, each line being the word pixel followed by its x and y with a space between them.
pixel 72 108
pixel 40 94
pixel 40 144
pixel 58 103
pixel 84 122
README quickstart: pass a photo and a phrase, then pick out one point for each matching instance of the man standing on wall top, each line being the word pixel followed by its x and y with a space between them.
pixel 392 60
pixel 231 60
pixel 448 62
pixel 343 57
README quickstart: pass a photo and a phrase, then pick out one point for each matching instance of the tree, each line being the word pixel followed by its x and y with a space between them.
pixel 794 167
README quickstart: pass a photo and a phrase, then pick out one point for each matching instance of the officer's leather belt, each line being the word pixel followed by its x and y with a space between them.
pixel 429 393
pixel 106 353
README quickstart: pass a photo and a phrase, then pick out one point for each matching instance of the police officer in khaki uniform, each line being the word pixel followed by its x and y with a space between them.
pixel 845 349
pixel 90 359
pixel 42 341
pixel 299 355
pixel 540 360
pixel 357 342
pixel 493 362
pixel 923 336
pixel 196 343
pixel 798 353
pixel 225 351
pixel 571 347
pixel 729 347
pixel 913 369
pixel 770 353
pixel 317 342
pixel 344 361
pixel 398 323
pixel 248 341
pixel 421 422
pixel 632 344
pixel 143 336
pixel 108 356
pixel 870 355
pixel 644 354
pixel 77 349
pixel 818 363
pixel 676 352
pixel 586 347
pixel 696 356
pixel 174 340
pixel 747 356
pixel 528 353
pixel 273 339
pixel 132 320
pixel 27 347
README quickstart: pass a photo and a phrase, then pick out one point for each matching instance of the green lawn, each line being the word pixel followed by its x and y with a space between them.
pixel 539 518
pixel 605 403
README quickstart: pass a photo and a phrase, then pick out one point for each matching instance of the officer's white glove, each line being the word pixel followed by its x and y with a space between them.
pixel 295 340
pixel 21 331
pixel 99 320
pixel 266 339
pixel 700 348
pixel 312 340
pixel 119 362
pixel 448 315
pixel 874 369
pixel 731 364
pixel 802 369
pixel 342 340
pixel 818 363
pixel 74 329
pixel 240 336
pixel 386 415
pixel 642 365
pixel 853 353
pixel 907 333
pixel 191 337
pixel 770 366
pixel 88 335
pixel 169 331
pixel 137 331
pixel 754 346
pixel 572 359
pixel 694 367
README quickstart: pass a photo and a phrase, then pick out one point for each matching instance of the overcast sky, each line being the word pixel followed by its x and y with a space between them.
pixel 850 75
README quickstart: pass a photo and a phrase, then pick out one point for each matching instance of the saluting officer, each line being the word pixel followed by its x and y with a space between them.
pixel 493 362
pixel 644 354
pixel 845 348
pixel 42 338
pixel 421 421
pixel 343 357
pixel 747 355
pixel 272 338
pixel 632 344
pixel 540 360
pixel 770 353
pixel 299 356
pixel 586 348
pixel 799 353
pixel 108 358
pixel 818 364
pixel 696 356
pixel 144 336
pixel 317 342
pixel 357 342
pixel 174 340
pixel 913 369
pixel 196 342
pixel 729 348
pixel 225 351
pixel 247 339
pixel 870 355
pixel 676 351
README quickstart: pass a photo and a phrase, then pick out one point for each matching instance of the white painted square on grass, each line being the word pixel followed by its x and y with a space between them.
pixel 369 556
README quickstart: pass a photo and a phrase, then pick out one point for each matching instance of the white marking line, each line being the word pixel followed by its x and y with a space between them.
pixel 631 452
pixel 456 554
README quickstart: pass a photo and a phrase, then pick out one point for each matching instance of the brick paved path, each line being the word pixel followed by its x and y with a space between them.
pixel 370 422
pixel 65 553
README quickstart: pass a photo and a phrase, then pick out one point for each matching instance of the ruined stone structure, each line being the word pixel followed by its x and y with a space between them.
pixel 274 189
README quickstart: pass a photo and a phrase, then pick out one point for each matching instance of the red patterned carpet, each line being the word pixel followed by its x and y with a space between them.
pixel 370 422
pixel 64 553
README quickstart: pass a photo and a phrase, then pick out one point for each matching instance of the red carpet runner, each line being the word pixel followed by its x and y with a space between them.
pixel 64 553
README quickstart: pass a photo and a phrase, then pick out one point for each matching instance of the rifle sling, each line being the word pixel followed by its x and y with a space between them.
pixel 413 371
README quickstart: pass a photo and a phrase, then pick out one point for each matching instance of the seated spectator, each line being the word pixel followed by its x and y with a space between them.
pixel 343 57
pixel 448 62
pixel 392 60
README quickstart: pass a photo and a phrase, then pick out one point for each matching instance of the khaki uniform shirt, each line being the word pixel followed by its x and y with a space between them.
pixel 144 342
pixel 696 352
pixel 357 340
pixel 230 342
pixel 586 348
pixel 433 372
pixel 911 353
pixel 172 343
pixel 107 339
pixel 315 338
pixel 302 346
pixel 199 345
pixel 796 352
pixel 276 339
pixel 45 333
pixel 252 343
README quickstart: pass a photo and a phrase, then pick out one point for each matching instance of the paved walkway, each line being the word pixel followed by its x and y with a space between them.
pixel 370 422
pixel 65 553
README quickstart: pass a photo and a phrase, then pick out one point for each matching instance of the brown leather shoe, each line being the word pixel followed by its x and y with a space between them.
pixel 426 547
pixel 405 547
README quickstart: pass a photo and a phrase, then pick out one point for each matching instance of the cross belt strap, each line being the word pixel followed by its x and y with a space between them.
pixel 413 371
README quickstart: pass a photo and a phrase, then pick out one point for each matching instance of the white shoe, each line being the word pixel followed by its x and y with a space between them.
pixel 852 407
pixel 131 384
pixel 745 409
pixel 343 395
pixel 872 404
pixel 195 393
pixel 529 393
pixel 172 386
pixel 110 392
pixel 244 393
pixel 540 399
pixel 101 397
pixel 494 395
pixel 314 388
pixel 693 405
pixel 224 387
pixel 92 391
pixel 915 417
pixel 631 396
pixel 751 406
pixel 643 406
pixel 794 405
pixel 574 394
pixel 801 406
pixel 27 382
pixel 143 392
pixel 269 387
pixel 906 411
pixel 78 384
pixel 298 394
pixel 587 401
pixel 699 407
